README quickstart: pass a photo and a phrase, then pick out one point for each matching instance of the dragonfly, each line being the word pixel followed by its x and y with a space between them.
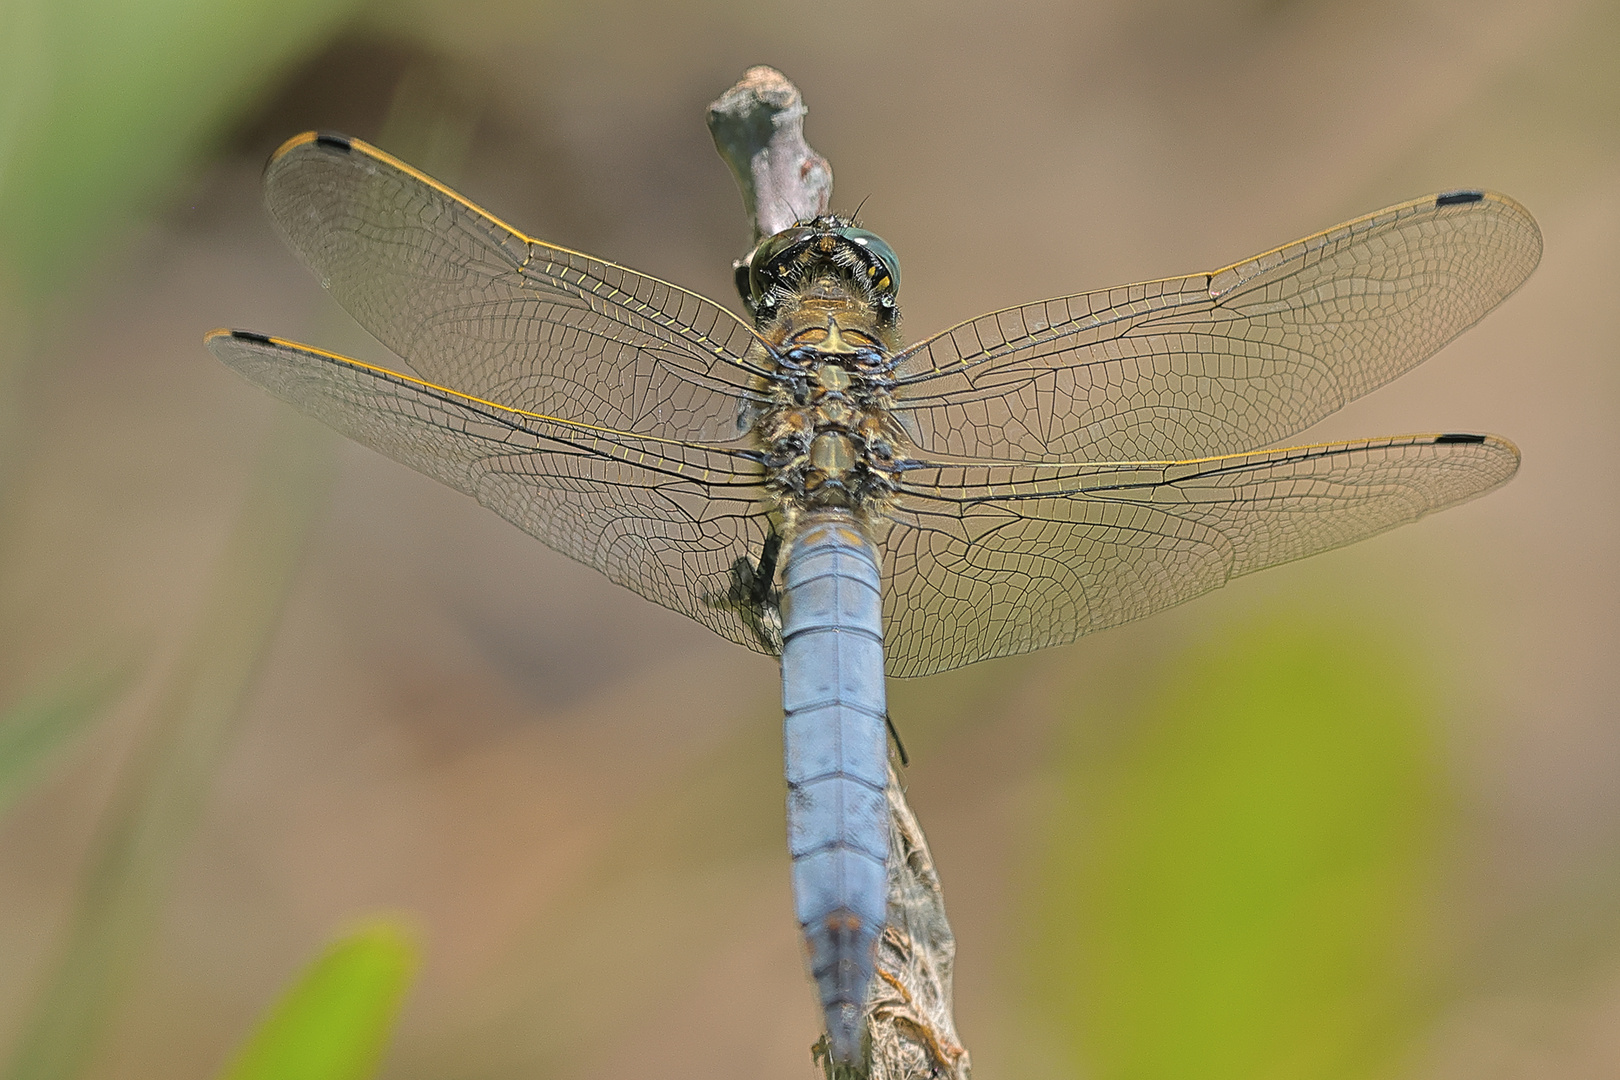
pixel 802 482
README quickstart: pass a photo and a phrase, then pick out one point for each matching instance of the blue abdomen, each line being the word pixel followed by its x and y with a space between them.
pixel 837 772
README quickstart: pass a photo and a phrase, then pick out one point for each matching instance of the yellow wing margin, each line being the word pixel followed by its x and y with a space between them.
pixel 1224 361
pixel 670 520
pixel 471 302
pixel 989 560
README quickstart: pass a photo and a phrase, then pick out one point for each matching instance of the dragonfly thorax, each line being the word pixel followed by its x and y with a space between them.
pixel 828 432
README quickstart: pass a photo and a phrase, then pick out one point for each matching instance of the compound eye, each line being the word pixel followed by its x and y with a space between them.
pixel 764 262
pixel 883 269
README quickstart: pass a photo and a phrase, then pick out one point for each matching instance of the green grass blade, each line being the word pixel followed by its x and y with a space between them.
pixel 36 727
pixel 160 797
pixel 335 1021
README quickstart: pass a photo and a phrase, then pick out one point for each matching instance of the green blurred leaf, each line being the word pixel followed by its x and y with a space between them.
pixel 34 728
pixel 104 102
pixel 1246 893
pixel 334 1022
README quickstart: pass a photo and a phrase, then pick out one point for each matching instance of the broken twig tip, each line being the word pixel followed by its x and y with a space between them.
pixel 758 128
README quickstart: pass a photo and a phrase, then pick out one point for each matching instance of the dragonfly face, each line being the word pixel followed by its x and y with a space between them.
pixel 824 247
pixel 806 485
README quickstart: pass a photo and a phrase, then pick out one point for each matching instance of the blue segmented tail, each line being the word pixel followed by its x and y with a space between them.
pixel 837 771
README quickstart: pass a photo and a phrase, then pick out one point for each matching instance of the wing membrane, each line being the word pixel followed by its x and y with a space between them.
pixel 472 303
pixel 991 560
pixel 669 520
pixel 1222 362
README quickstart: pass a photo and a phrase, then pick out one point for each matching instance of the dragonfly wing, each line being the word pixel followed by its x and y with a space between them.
pixel 680 523
pixel 472 303
pixel 990 560
pixel 1221 362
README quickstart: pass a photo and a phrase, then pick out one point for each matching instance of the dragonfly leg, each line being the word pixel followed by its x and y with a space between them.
pixel 754 596
pixel 894 733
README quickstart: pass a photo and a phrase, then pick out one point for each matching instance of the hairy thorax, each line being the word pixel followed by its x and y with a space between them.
pixel 827 425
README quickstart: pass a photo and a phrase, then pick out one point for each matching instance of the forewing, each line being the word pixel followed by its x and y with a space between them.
pixel 671 521
pixel 990 560
pixel 1223 362
pixel 473 304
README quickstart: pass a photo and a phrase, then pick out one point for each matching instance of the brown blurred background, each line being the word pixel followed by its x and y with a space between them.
pixel 1357 816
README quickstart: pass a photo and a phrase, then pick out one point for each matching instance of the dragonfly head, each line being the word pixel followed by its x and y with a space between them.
pixel 785 261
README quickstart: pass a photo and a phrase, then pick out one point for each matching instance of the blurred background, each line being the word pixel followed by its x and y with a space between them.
pixel 1355 817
